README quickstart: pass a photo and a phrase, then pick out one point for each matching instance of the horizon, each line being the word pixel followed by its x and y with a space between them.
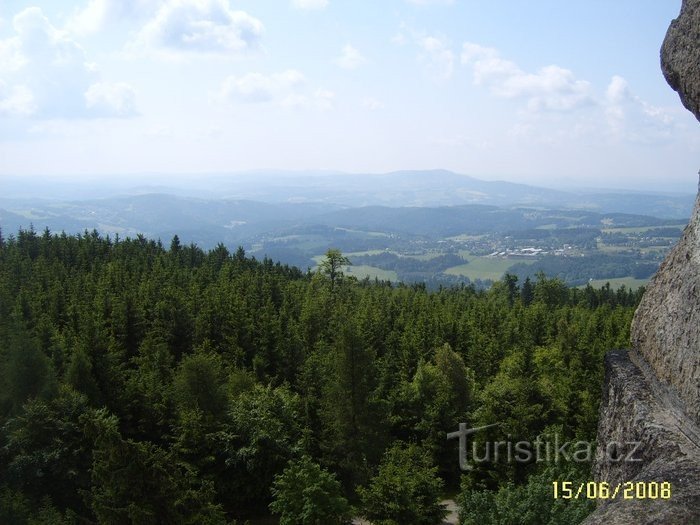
pixel 107 89
pixel 163 183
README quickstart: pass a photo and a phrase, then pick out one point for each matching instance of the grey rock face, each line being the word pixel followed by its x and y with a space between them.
pixel 666 326
pixel 652 393
pixel 638 408
pixel 680 55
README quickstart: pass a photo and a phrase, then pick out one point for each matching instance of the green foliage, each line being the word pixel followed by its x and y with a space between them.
pixel 142 382
pixel 512 398
pixel 140 483
pixel 264 434
pixel 438 397
pixel 579 270
pixel 26 373
pixel 200 384
pixel 49 515
pixel 411 269
pixel 14 506
pixel 306 494
pixel 79 375
pixel 332 265
pixel 350 415
pixel 45 452
pixel 405 491
pixel 148 390
pixel 531 503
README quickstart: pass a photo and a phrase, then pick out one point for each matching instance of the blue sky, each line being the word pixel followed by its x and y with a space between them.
pixel 552 93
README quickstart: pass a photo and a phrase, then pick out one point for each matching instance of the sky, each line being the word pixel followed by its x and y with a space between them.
pixel 543 92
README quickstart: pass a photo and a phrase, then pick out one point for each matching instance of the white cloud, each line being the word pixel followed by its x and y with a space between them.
pixel 46 73
pixel 11 58
pixel 350 58
pixel 287 89
pixel 16 101
pixel 256 87
pixel 200 26
pixel 321 100
pixel 437 57
pixel 633 119
pixel 309 4
pixel 618 90
pixel 435 54
pixel 551 88
pixel 97 14
pixel 487 64
pixel 91 18
pixel 399 39
pixel 372 104
pixel 118 99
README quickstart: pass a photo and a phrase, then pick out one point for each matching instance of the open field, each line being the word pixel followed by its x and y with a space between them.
pixel 425 257
pixel 351 254
pixel 361 271
pixel 364 232
pixel 612 248
pixel 483 268
pixel 465 237
pixel 642 229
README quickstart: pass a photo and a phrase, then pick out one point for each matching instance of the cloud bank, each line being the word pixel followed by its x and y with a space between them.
pixel 199 27
pixel 551 88
pixel 45 74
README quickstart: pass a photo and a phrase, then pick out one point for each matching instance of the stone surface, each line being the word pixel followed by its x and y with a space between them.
pixel 652 393
pixel 666 326
pixel 638 408
pixel 680 55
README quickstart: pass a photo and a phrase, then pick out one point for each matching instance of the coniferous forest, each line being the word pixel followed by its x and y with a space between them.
pixel 148 383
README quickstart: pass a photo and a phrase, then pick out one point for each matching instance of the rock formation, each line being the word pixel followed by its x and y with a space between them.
pixel 680 56
pixel 652 392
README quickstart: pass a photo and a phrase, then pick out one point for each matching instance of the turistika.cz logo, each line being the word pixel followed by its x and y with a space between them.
pixel 539 450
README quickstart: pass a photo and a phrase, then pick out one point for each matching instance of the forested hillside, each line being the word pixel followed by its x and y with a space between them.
pixel 444 245
pixel 149 384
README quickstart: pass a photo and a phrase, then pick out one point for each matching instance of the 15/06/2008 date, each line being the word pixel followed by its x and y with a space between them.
pixel 604 490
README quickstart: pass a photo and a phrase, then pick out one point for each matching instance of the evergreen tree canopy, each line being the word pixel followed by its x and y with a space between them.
pixel 143 383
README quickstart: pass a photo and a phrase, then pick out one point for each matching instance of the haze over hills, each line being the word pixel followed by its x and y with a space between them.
pixel 425 226
pixel 401 188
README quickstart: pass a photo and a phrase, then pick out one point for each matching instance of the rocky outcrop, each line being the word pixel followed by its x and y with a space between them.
pixel 652 392
pixel 666 326
pixel 680 55
pixel 643 419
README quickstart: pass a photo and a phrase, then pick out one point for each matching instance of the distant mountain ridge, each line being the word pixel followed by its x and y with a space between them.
pixel 210 221
pixel 297 233
pixel 424 188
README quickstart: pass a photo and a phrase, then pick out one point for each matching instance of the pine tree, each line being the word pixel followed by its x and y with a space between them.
pixel 332 265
